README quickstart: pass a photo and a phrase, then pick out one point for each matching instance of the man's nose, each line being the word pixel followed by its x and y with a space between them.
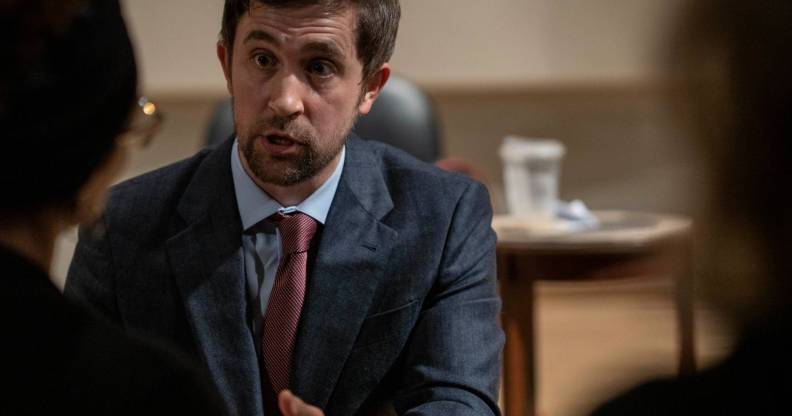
pixel 286 96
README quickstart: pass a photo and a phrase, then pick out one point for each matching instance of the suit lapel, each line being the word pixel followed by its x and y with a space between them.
pixel 206 260
pixel 349 266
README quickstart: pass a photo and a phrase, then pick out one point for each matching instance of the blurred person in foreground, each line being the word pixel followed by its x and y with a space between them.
pixel 67 109
pixel 296 256
pixel 734 61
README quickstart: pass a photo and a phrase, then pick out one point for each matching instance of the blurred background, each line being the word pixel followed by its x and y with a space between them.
pixel 585 72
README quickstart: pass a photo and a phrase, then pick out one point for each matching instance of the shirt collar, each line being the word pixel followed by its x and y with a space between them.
pixel 255 205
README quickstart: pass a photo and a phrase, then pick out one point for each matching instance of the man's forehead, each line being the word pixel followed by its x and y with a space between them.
pixel 290 23
pixel 328 8
pixel 301 19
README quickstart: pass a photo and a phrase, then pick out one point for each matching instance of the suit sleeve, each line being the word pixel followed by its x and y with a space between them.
pixel 91 277
pixel 453 359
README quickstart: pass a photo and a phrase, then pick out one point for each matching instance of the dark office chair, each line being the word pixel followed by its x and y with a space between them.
pixel 402 116
pixel 221 124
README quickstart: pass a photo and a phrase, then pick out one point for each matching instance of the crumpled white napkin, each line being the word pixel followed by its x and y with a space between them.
pixel 576 211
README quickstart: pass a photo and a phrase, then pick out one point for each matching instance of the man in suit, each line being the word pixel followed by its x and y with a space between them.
pixel 298 256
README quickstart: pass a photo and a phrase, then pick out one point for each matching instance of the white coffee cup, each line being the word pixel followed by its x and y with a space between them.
pixel 531 170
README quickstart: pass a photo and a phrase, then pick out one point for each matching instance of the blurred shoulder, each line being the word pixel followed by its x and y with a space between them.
pixel 170 177
pixel 403 173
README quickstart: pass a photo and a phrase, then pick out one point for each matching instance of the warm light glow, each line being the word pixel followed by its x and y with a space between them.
pixel 149 109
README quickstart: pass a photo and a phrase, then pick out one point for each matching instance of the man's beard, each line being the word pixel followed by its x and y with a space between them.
pixel 311 158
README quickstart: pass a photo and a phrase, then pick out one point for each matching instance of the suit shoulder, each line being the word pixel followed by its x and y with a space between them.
pixel 163 177
pixel 403 170
pixel 152 197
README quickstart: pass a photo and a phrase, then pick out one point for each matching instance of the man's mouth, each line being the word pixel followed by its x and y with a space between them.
pixel 279 144
pixel 280 140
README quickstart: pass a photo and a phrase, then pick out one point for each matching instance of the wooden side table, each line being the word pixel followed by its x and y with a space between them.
pixel 626 244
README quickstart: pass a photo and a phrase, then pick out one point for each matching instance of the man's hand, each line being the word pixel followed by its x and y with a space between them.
pixel 291 405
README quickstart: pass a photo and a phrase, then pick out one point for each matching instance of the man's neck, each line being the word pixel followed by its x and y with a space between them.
pixel 294 194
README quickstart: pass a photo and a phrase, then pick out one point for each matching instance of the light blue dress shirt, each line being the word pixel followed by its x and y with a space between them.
pixel 261 242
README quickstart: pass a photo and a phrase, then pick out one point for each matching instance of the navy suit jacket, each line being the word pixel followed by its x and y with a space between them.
pixel 401 310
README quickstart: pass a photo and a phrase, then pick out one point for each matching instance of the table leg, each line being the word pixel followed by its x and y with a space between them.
pixel 685 299
pixel 518 321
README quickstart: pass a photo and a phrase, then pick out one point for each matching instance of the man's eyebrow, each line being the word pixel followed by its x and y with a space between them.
pixel 329 49
pixel 261 35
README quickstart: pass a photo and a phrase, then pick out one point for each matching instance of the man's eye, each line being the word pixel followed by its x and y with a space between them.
pixel 263 60
pixel 321 68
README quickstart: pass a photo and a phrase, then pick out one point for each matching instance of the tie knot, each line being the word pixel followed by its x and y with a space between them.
pixel 296 231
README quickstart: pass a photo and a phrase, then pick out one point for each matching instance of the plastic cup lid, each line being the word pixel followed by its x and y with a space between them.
pixel 518 149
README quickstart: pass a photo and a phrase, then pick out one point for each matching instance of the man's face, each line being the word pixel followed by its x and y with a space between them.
pixel 296 85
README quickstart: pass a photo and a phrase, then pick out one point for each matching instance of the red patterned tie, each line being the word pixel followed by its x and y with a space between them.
pixel 286 299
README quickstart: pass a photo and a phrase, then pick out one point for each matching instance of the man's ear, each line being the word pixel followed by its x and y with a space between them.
pixel 223 56
pixel 373 87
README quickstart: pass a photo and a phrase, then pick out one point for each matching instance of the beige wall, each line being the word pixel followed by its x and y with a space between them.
pixel 448 43
pixel 175 44
pixel 464 43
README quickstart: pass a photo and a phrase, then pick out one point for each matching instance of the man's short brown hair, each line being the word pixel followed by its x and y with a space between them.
pixel 377 25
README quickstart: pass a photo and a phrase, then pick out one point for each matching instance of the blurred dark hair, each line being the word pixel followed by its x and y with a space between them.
pixel 734 57
pixel 67 84
pixel 377 25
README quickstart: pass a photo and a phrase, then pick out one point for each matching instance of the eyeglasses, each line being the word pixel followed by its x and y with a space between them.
pixel 145 121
